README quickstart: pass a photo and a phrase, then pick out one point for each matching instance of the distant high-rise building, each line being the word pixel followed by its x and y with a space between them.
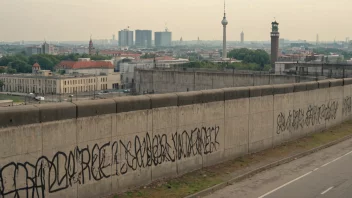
pixel 274 42
pixel 143 38
pixel 224 23
pixel 47 48
pixel 242 37
pixel 317 40
pixel 163 39
pixel 113 37
pixel 281 42
pixel 125 38
pixel 33 50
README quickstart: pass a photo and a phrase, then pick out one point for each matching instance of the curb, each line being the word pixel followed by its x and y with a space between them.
pixel 265 167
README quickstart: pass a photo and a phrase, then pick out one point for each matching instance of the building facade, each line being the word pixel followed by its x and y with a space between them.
pixel 163 39
pixel 84 79
pixel 48 48
pixel 144 38
pixel 33 50
pixel 125 38
pixel 58 84
pixel 242 37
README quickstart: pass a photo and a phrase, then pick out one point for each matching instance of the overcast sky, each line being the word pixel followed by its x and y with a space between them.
pixel 77 19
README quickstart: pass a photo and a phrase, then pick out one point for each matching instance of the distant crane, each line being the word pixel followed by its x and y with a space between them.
pixel 166 29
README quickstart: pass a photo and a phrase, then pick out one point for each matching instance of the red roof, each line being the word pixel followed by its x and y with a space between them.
pixel 36 65
pixel 84 64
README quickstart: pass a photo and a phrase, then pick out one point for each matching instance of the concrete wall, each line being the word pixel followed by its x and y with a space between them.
pixel 166 81
pixel 96 148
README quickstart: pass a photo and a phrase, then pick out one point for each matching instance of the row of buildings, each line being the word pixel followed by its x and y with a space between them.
pixel 83 75
pixel 143 38
pixel 45 48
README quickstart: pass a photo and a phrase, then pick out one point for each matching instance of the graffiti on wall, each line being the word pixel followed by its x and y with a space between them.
pixel 103 160
pixel 299 119
pixel 346 107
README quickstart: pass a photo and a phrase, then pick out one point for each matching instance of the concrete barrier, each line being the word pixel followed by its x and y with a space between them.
pixel 19 115
pixel 58 111
pixel 96 148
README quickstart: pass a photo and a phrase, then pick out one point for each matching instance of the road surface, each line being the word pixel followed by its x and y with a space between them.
pixel 325 174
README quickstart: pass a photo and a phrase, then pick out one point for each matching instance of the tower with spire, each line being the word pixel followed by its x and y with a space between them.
pixel 224 23
pixel 91 47
pixel 242 37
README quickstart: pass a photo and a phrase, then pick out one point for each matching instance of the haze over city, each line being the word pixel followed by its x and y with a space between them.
pixel 77 19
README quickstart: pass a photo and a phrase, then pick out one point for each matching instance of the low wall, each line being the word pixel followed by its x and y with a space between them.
pixel 96 148
pixel 166 81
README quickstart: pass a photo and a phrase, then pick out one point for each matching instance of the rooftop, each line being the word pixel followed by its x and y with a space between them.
pixel 84 65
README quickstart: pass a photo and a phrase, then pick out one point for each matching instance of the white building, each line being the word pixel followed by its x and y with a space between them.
pixel 45 82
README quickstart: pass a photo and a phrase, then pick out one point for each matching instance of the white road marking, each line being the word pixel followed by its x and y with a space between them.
pixel 325 191
pixel 315 169
pixel 266 194
pixel 336 159
pixel 331 161
pixel 347 153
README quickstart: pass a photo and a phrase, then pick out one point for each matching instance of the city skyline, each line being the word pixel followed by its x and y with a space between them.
pixel 78 20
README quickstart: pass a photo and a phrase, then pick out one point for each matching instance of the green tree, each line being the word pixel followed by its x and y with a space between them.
pixel 20 66
pixel 4 61
pixel 11 70
pixel 2 70
pixel 258 56
pixel 148 55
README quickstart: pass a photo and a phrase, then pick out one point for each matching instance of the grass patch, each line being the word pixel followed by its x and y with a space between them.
pixel 14 98
pixel 199 180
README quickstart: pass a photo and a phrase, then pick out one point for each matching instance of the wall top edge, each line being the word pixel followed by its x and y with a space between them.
pixel 42 113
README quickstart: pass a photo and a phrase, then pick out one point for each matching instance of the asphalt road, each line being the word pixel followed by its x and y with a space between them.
pixel 325 174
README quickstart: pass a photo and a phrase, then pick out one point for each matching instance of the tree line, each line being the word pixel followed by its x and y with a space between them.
pixel 259 57
pixel 20 63
pixel 257 60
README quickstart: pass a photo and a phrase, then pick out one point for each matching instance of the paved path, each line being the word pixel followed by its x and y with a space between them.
pixel 325 174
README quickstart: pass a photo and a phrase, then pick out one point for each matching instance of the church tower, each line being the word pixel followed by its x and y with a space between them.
pixel 91 47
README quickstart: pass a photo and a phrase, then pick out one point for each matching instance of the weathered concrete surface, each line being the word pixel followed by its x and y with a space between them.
pixel 161 81
pixel 113 145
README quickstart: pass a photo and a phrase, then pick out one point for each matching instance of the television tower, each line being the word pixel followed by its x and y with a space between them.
pixel 224 23
pixel 274 42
